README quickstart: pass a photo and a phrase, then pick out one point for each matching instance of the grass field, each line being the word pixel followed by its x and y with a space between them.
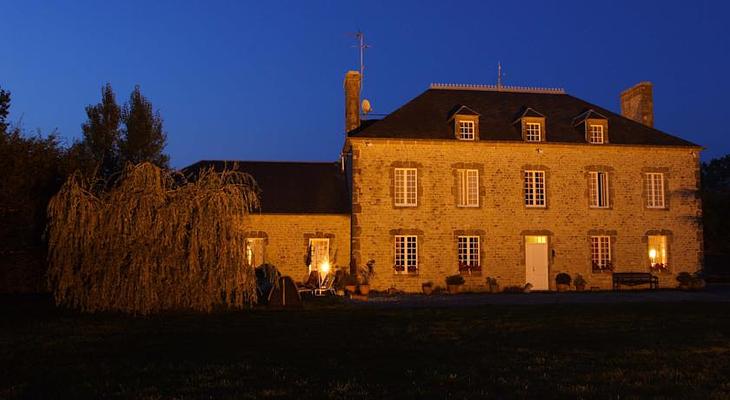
pixel 339 351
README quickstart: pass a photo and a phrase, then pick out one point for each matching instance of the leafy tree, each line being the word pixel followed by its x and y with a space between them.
pixel 715 205
pixel 32 169
pixel 143 138
pixel 99 149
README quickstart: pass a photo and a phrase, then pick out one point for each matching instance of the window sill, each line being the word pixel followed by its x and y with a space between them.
pixel 403 273
pixel 462 206
pixel 536 207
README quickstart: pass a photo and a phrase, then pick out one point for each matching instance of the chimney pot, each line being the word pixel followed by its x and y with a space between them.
pixel 353 81
pixel 637 103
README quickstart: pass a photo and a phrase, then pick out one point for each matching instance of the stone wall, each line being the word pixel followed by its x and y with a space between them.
pixel 286 237
pixel 503 218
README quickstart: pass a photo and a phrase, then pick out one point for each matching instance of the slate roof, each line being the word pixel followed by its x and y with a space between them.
pixel 427 117
pixel 291 187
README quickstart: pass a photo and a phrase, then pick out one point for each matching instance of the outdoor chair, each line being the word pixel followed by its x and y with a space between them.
pixel 310 285
pixel 328 286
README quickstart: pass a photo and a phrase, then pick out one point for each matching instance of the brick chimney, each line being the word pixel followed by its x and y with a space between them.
pixel 353 81
pixel 637 103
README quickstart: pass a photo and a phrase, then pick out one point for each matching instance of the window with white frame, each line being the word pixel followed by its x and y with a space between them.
pixel 658 252
pixel 468 188
pixel 319 253
pixel 654 189
pixel 533 132
pixel 255 251
pixel 468 253
pixel 406 254
pixel 601 253
pixel 535 188
pixel 599 189
pixel 405 187
pixel 466 130
pixel 595 134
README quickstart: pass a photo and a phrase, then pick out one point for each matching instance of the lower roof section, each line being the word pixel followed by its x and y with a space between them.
pixel 290 187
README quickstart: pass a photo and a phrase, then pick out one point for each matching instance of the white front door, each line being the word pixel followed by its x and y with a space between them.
pixel 536 262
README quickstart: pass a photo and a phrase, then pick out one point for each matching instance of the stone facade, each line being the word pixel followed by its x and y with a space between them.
pixel 286 239
pixel 502 221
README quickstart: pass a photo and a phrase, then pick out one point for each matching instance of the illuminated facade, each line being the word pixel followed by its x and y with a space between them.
pixel 516 184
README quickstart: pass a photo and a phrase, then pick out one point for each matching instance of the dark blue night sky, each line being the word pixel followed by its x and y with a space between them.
pixel 263 80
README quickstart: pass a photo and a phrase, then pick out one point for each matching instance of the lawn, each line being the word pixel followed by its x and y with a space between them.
pixel 342 351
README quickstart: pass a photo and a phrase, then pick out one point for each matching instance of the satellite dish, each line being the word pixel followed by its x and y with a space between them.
pixel 366 108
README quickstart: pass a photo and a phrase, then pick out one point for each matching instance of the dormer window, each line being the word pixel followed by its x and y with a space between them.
pixel 533 132
pixel 532 125
pixel 464 122
pixel 595 134
pixel 466 130
pixel 594 125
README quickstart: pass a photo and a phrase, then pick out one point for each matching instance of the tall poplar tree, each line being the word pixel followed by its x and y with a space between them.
pixel 101 135
pixel 143 138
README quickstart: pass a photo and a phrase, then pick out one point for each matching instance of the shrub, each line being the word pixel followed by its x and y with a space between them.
pixel 367 272
pixel 427 284
pixel 455 280
pixel 562 279
pixel 579 280
pixel 513 289
pixel 684 278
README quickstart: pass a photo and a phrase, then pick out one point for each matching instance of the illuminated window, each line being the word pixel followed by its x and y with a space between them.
pixel 533 132
pixel 601 253
pixel 598 189
pixel 406 254
pixel 535 188
pixel 654 182
pixel 468 253
pixel 405 187
pixel 466 130
pixel 255 252
pixel 658 252
pixel 595 134
pixel 536 239
pixel 319 253
pixel 468 188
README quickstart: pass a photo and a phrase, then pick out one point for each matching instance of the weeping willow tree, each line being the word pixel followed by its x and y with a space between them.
pixel 152 242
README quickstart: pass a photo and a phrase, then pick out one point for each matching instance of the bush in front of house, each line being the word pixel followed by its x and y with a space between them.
pixel 562 279
pixel 455 280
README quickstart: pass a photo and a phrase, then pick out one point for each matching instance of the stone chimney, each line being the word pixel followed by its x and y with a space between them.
pixel 637 103
pixel 353 81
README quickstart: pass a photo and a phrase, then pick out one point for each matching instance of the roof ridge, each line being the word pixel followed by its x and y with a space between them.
pixel 269 161
pixel 496 88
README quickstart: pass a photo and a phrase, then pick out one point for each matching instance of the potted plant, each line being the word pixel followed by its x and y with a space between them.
pixel 492 285
pixel 685 280
pixel 562 281
pixel 350 283
pixel 454 282
pixel 697 282
pixel 366 273
pixel 427 288
pixel 580 283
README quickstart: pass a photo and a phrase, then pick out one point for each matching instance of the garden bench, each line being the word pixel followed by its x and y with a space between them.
pixel 634 278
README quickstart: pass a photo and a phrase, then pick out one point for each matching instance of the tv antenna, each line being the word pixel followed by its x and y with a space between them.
pixel 361 46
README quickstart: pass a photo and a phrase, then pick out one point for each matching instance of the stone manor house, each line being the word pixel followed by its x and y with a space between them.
pixel 518 184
